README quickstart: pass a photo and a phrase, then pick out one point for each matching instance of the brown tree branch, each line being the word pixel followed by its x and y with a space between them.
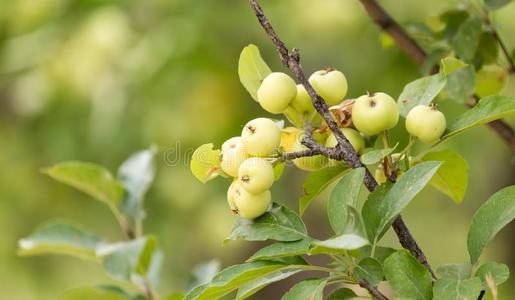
pixel 418 55
pixel 372 290
pixel 343 150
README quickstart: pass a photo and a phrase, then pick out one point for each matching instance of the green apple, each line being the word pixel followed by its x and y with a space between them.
pixel 331 84
pixel 276 92
pixel 302 102
pixel 308 163
pixel 353 136
pixel 256 175
pixel 248 205
pixel 426 123
pixel 233 154
pixel 260 137
pixel 372 114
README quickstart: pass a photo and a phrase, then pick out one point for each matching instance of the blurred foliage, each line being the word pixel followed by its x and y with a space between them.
pixel 96 80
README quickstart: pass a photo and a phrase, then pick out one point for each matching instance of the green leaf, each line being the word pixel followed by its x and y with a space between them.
pixel 459 271
pixel 457 288
pixel 205 163
pixel 253 287
pixel 488 109
pixel 370 270
pixel 375 156
pixel 234 277
pixel 452 176
pixel 496 4
pixel 346 241
pixel 408 277
pixel 57 237
pixel 499 272
pixel 88 293
pixel 309 289
pixel 420 91
pixel 346 192
pixel 316 182
pixel 342 294
pixel 461 84
pixel 282 249
pixel 490 80
pixel 489 219
pixel 488 49
pixel 252 69
pixel 450 65
pixel 279 223
pixel 132 259
pixel 203 273
pixel 136 175
pixel 384 204
pixel 453 20
pixel 466 40
pixel 89 178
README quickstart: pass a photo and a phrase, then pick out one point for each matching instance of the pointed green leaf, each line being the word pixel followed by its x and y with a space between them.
pixel 450 65
pixel 352 235
pixel 310 289
pixel 279 223
pixel 489 219
pixel 457 288
pixel 452 177
pixel 136 175
pixel 205 163
pixel 253 287
pixel 57 237
pixel 252 69
pixel 316 182
pixel 488 109
pixel 408 277
pixel 346 192
pixel 370 270
pixel 383 205
pixel 234 277
pixel 89 178
pixel 420 91
pixel 466 40
pixel 282 249
pixel 499 272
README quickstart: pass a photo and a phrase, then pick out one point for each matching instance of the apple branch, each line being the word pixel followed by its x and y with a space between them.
pixel 343 150
pixel 418 55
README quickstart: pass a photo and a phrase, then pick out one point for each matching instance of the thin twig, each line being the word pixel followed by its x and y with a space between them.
pixel 343 150
pixel 418 55
pixel 372 290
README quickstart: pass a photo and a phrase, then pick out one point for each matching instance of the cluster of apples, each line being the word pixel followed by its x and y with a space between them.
pixel 248 158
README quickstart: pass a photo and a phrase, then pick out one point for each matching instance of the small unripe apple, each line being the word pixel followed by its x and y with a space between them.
pixel 231 195
pixel 302 102
pixel 353 136
pixel 256 175
pixel 248 205
pixel 308 163
pixel 372 114
pixel 426 123
pixel 233 154
pixel 331 84
pixel 260 137
pixel 276 92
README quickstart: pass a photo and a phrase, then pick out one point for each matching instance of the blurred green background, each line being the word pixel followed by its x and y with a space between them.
pixel 97 80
